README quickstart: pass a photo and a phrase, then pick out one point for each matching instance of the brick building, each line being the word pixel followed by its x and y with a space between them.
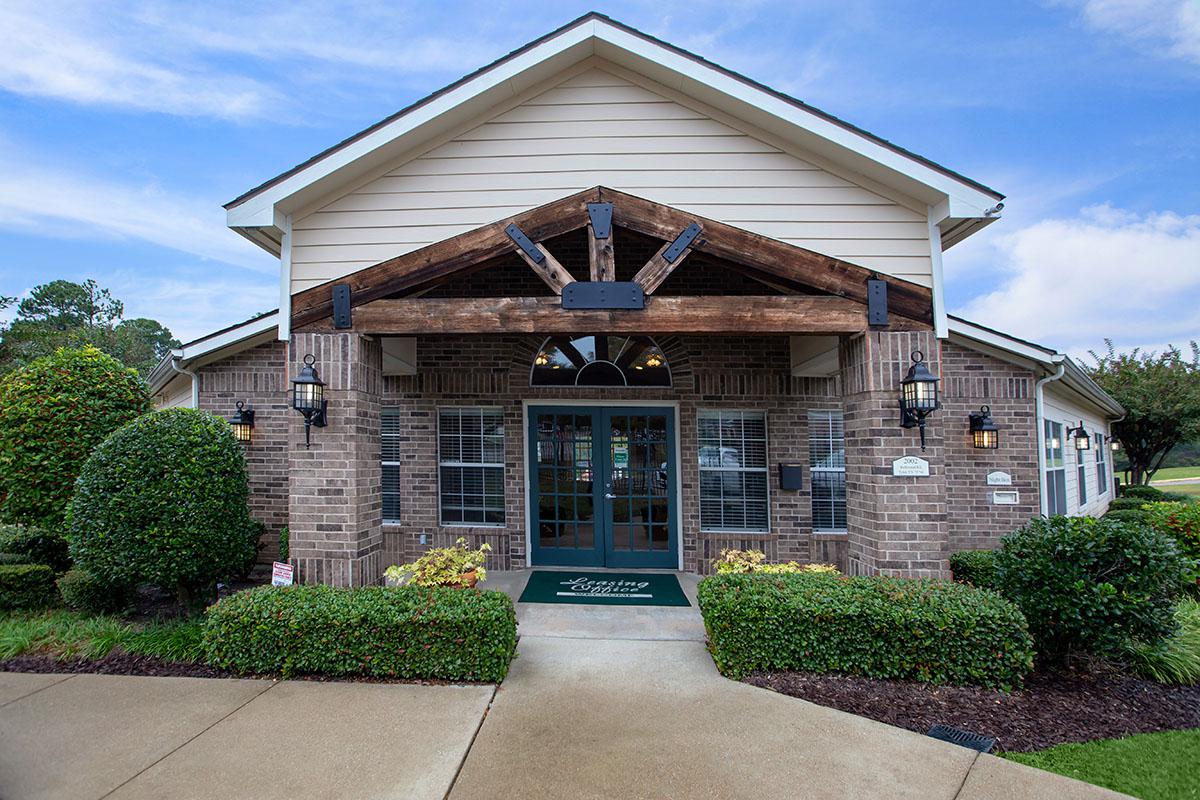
pixel 604 303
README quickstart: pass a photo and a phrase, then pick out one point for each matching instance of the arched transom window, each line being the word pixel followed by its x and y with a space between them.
pixel 600 360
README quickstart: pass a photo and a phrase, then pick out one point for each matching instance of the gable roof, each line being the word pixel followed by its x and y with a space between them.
pixel 961 204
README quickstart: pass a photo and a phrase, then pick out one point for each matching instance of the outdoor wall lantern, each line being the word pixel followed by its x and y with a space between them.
pixel 984 433
pixel 308 397
pixel 1082 440
pixel 1115 445
pixel 242 423
pixel 918 395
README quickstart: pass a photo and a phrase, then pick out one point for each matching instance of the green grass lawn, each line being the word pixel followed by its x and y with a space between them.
pixel 1174 473
pixel 1152 766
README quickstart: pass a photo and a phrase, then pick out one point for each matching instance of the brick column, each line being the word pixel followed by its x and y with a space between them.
pixel 895 525
pixel 334 509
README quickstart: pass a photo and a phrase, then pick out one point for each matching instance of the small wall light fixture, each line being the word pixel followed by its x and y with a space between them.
pixel 984 433
pixel 242 423
pixel 1115 445
pixel 1082 440
pixel 308 397
pixel 918 395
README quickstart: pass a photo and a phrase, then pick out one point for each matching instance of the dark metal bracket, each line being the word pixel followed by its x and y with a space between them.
pixel 681 243
pixel 342 319
pixel 524 242
pixel 603 295
pixel 877 303
pixel 601 217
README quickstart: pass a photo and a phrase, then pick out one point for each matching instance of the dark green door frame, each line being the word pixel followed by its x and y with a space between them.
pixel 602 485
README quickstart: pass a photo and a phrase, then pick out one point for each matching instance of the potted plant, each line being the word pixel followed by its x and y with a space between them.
pixel 457 566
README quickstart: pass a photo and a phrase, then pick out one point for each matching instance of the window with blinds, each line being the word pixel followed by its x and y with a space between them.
pixel 827 470
pixel 1055 469
pixel 389 460
pixel 1101 464
pixel 733 471
pixel 471 465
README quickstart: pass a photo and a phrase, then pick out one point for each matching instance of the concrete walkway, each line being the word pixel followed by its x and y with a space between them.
pixel 601 702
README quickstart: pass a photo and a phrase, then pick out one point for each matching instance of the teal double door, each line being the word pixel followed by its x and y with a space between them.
pixel 602 487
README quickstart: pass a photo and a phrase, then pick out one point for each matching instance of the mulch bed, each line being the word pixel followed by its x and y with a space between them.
pixel 1052 708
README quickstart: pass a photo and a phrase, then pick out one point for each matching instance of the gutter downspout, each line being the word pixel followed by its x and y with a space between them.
pixel 1040 420
pixel 195 380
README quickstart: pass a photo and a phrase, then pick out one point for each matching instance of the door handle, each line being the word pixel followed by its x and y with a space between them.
pixel 609 496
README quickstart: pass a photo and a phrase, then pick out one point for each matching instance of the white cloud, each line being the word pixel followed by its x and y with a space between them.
pixel 1166 27
pixel 68 53
pixel 58 201
pixel 1106 272
pixel 193 303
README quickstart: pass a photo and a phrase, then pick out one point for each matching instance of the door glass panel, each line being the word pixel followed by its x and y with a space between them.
pixel 566 510
pixel 639 456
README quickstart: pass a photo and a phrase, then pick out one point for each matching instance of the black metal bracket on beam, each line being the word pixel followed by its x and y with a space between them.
pixel 601 217
pixel 681 243
pixel 342 319
pixel 877 303
pixel 603 295
pixel 524 242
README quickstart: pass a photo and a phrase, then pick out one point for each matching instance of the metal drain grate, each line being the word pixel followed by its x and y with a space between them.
pixel 946 733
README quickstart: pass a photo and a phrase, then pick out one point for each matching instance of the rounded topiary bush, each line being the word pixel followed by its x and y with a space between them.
pixel 83 591
pixel 53 413
pixel 1091 585
pixel 36 546
pixel 163 501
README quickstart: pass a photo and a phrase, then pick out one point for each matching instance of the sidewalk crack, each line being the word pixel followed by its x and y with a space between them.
pixel 44 688
pixel 966 775
pixel 471 744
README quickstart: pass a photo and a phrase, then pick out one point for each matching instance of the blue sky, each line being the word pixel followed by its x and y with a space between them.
pixel 124 127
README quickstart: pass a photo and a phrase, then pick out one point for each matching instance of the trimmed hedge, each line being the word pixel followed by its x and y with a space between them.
pixel 1134 515
pixel 1128 504
pixel 1091 585
pixel 933 631
pixel 1141 491
pixel 14 558
pixel 976 567
pixel 53 412
pixel 406 632
pixel 36 545
pixel 83 591
pixel 26 586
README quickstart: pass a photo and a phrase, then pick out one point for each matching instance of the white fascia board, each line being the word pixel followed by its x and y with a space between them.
pixel 267 323
pixel 1023 350
pixel 503 81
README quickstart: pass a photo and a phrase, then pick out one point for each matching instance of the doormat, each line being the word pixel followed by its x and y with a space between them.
pixel 604 588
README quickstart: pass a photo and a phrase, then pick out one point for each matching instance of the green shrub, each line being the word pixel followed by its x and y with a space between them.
pixel 1090 585
pixel 53 413
pixel 408 632
pixel 83 591
pixel 742 562
pixel 1127 504
pixel 1180 521
pixel 1176 659
pixel 934 631
pixel 976 567
pixel 163 501
pixel 14 558
pixel 1141 492
pixel 283 544
pixel 38 546
pixel 1132 515
pixel 26 586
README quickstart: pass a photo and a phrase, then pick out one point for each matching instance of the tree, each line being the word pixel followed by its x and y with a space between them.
pixel 1161 395
pixel 65 314
pixel 52 413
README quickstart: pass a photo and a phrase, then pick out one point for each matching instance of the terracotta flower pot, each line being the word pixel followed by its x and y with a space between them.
pixel 468 580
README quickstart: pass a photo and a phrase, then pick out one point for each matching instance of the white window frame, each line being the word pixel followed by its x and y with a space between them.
pixel 765 470
pixel 815 412
pixel 1051 431
pixel 501 465
pixel 384 463
pixel 1102 479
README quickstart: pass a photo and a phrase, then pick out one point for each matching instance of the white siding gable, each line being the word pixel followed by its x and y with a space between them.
pixel 599 128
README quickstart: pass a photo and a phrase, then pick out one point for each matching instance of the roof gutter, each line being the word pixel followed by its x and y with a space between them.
pixel 195 380
pixel 1039 417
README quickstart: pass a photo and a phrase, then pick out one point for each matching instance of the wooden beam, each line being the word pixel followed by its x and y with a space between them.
pixel 601 258
pixel 657 269
pixel 711 315
pixel 768 256
pixel 412 271
pixel 548 269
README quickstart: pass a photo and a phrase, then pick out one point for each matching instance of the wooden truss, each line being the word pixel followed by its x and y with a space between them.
pixel 385 300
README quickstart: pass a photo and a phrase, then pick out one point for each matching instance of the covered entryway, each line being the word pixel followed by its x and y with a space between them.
pixel 602 484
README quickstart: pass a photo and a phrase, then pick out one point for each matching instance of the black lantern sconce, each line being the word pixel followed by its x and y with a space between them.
pixel 918 395
pixel 984 433
pixel 1114 445
pixel 242 423
pixel 308 397
pixel 1082 440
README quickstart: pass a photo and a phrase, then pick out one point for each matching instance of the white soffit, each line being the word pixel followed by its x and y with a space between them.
pixel 258 213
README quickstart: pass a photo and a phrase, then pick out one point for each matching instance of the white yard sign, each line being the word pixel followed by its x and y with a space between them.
pixel 281 574
pixel 910 466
